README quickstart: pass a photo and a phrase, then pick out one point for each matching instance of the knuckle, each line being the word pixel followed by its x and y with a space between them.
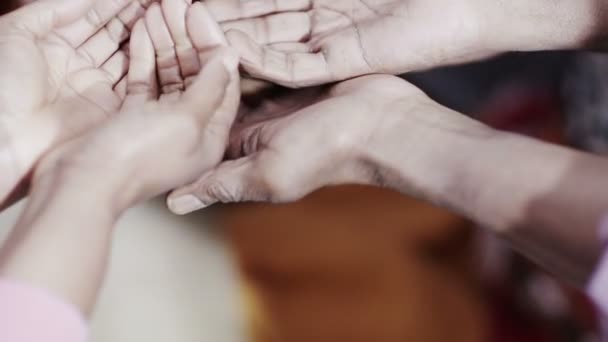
pixel 278 185
pixel 250 141
pixel 172 87
pixel 215 190
pixel 138 88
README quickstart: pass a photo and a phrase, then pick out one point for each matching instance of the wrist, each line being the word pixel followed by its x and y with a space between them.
pixel 68 179
pixel 524 25
pixel 62 238
pixel 425 151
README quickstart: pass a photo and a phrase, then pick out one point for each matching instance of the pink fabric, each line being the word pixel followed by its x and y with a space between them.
pixel 598 291
pixel 28 314
pixel 598 287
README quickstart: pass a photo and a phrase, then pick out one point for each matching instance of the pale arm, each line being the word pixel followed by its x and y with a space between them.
pixel 523 25
pixel 379 130
pixel 547 200
pixel 61 241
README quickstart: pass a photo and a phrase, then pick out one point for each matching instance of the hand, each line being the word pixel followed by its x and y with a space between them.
pixel 293 145
pixel 300 43
pixel 61 69
pixel 159 141
pixel 155 143
pixel 309 42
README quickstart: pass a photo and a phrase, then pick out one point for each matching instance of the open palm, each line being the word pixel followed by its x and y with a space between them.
pixel 162 137
pixel 69 58
pixel 62 66
pixel 309 42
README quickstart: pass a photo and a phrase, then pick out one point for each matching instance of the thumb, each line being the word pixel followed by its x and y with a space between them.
pixel 231 182
pixel 212 89
pixel 42 16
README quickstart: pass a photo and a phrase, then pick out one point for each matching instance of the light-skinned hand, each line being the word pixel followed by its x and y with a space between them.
pixel 171 128
pixel 162 137
pixel 300 43
pixel 62 71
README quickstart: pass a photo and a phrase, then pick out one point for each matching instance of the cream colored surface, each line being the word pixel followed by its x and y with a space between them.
pixel 170 279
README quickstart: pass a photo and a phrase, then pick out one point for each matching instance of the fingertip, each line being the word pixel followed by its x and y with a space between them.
pixel 153 13
pixel 174 11
pixel 203 28
pixel 213 81
pixel 139 27
pixel 225 58
pixel 230 58
pixel 184 204
pixel 174 8
pixel 249 51
pixel 140 43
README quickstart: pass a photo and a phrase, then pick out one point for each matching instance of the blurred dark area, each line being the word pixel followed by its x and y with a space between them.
pixel 468 88
pixel 7 5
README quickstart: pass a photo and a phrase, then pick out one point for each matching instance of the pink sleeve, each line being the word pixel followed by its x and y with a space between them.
pixel 598 286
pixel 598 291
pixel 28 314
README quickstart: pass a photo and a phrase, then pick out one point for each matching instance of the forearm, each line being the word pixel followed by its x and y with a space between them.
pixel 532 25
pixel 547 200
pixel 61 241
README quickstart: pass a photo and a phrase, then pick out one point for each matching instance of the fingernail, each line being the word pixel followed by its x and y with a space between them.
pixel 185 204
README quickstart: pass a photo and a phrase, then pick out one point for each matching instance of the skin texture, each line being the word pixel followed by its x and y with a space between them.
pixel 372 130
pixel 311 42
pixel 382 131
pixel 267 143
pixel 64 250
pixel 270 138
pixel 59 57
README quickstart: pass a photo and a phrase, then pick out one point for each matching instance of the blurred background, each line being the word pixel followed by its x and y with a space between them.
pixel 362 264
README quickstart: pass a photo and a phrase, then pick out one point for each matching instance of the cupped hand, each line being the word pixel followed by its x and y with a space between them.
pixel 167 132
pixel 285 148
pixel 62 71
pixel 310 42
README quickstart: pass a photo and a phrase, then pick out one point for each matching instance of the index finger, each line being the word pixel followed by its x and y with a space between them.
pixel 141 79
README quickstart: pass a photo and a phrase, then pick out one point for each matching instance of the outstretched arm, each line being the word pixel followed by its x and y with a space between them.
pixel 157 142
pixel 522 25
pixel 547 200
pixel 311 42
